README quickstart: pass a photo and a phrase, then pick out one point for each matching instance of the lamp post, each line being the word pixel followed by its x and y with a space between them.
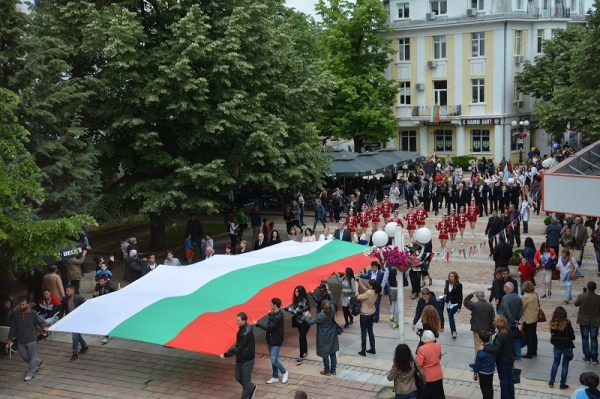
pixel 522 128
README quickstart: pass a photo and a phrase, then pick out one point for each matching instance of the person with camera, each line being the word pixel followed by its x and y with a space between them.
pixel 322 293
pixel 327 337
pixel 135 267
pixel 375 274
pixel 348 292
pixel 367 296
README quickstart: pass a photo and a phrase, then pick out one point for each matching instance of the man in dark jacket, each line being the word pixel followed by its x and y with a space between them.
pixel 514 228
pixel 502 253
pixel 511 307
pixel 506 278
pixel 428 298
pixel 103 287
pixel 492 229
pixel 588 319
pixel 135 267
pixel 553 235
pixel 482 316
pixel 194 227
pixel 70 302
pixel 341 233
pixel 24 327
pixel 243 350
pixel 274 329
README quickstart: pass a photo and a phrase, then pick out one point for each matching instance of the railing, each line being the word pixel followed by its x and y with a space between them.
pixel 445 110
pixel 550 12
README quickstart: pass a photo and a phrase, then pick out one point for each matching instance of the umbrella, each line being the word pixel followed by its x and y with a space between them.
pixel 65 252
pixel 395 158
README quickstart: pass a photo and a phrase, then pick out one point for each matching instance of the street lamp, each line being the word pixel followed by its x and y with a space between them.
pixel 522 129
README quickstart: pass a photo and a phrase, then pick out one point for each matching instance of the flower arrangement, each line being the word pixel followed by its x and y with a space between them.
pixel 391 255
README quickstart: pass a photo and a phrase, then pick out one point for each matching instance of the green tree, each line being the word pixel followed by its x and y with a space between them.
pixel 193 99
pixel 357 54
pixel 22 240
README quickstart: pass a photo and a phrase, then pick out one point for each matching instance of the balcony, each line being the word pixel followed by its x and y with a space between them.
pixel 445 110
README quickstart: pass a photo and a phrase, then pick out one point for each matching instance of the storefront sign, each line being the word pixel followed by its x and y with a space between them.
pixel 484 121
pixel 440 123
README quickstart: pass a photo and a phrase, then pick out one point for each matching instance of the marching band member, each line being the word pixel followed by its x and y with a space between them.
pixel 351 222
pixel 442 227
pixel 462 223
pixel 452 226
pixel 421 216
pixel 375 213
pixel 386 208
pixel 411 220
pixel 472 214
pixel 364 217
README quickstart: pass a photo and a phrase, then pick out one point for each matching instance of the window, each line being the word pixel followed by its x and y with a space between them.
pixel 540 40
pixel 477 4
pixel 480 140
pixel 574 6
pixel 517 96
pixel 404 93
pixel 443 140
pixel 478 44
pixel 440 93
pixel 439 47
pixel 403 10
pixel 403 49
pixel 519 5
pixel 439 7
pixel 478 91
pixel 518 34
pixel 545 5
pixel 408 140
pixel 553 34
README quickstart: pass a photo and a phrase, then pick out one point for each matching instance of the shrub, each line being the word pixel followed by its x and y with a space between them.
pixel 515 258
pixel 462 161
pixel 548 220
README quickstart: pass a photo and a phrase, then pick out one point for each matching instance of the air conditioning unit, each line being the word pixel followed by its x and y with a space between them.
pixel 420 86
pixel 430 15
pixel 518 104
pixel 471 12
pixel 519 59
pixel 432 64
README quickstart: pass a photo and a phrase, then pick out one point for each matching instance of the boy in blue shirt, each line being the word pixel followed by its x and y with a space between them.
pixel 189 248
pixel 103 272
pixel 485 364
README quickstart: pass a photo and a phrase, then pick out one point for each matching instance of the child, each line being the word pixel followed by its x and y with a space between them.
pixel 207 242
pixel 483 370
pixel 525 272
pixel 103 272
pixel 589 386
pixel 189 248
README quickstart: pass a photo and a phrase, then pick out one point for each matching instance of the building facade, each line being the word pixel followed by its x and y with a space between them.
pixel 455 65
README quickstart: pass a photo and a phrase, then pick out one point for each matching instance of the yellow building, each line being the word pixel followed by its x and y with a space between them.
pixel 457 59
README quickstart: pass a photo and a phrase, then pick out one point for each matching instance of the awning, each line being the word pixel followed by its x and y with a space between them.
pixel 348 164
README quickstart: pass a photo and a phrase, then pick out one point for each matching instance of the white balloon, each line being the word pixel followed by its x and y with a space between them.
pixel 390 229
pixel 423 235
pixel 439 166
pixel 380 239
pixel 548 162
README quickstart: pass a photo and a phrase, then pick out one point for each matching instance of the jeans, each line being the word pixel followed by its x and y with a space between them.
pixel 275 363
pixel 412 395
pixel 568 289
pixel 558 353
pixel 333 358
pixel 589 342
pixel 303 330
pixel 301 215
pixel 517 344
pixel 394 305
pixel 486 384
pixel 581 248
pixel 451 313
pixel 525 227
pixel 243 375
pixel 377 303
pixel 366 326
pixel 323 220
pixel 507 383
pixel 28 352
pixel 77 338
pixel 598 260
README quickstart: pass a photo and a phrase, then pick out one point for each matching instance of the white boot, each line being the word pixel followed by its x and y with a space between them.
pixel 472 233
pixel 452 245
pixel 462 242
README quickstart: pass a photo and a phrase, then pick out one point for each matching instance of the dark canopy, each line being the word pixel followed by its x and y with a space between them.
pixel 349 164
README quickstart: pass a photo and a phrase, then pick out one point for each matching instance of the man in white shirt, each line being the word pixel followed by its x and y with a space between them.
pixel 326 236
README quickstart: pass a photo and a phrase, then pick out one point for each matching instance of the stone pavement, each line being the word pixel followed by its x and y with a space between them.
pixel 132 369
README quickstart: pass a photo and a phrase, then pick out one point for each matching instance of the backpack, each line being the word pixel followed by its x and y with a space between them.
pixel 550 264
pixel 592 393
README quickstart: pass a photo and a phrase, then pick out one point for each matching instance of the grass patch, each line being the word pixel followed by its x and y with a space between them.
pixel 174 236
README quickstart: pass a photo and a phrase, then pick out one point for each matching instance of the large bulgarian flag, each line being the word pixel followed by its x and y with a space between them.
pixel 194 307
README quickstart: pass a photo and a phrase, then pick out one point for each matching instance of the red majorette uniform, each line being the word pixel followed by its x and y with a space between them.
pixel 411 220
pixel 375 213
pixel 397 220
pixel 351 222
pixel 386 208
pixel 421 216
pixel 452 224
pixel 443 229
pixel 462 220
pixel 472 213
pixel 363 218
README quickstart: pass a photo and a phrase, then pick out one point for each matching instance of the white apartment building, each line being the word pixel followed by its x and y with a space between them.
pixel 462 55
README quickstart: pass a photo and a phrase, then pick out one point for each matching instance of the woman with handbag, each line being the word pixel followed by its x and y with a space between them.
pixel 403 373
pixel 348 293
pixel 367 296
pixel 562 336
pixel 567 266
pixel 327 337
pixel 544 259
pixel 429 357
pixel 530 318
pixel 300 305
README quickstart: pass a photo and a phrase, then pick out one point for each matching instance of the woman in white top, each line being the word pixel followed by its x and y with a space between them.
pixel 395 195
pixel 326 236
pixel 525 213
pixel 565 265
pixel 360 237
pixel 308 236
pixel 293 234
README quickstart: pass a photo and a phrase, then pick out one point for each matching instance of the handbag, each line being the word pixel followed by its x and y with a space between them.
pixel 541 314
pixel 419 380
pixel 338 329
pixel 356 308
pixel 555 274
pixel 574 275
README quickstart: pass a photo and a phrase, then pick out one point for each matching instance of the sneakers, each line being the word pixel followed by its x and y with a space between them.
pixel 391 317
pixel 42 337
pixel 272 380
pixel 595 362
pixel 304 355
pixel 39 365
pixel 74 357
pixel 588 361
pixel 27 378
pixel 371 351
pixel 84 349
pixel 326 373
pixel 564 387
pixel 395 326
pixel 299 360
pixel 253 392
pixel 104 340
pixel 284 377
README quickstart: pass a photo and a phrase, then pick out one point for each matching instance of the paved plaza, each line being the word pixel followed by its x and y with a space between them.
pixel 124 368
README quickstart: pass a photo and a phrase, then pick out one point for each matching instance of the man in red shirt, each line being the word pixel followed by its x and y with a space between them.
pixel 47 307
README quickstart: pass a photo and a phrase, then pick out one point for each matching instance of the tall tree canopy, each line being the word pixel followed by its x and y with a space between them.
pixel 357 54
pixel 565 80
pixel 195 98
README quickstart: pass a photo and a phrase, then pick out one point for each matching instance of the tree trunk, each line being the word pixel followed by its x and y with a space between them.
pixel 358 144
pixel 157 232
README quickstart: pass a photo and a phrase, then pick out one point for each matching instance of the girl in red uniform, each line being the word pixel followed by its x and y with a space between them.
pixel 452 226
pixel 364 217
pixel 386 208
pixel 396 219
pixel 421 216
pixel 411 221
pixel 462 223
pixel 351 222
pixel 472 213
pixel 442 227
pixel 375 213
